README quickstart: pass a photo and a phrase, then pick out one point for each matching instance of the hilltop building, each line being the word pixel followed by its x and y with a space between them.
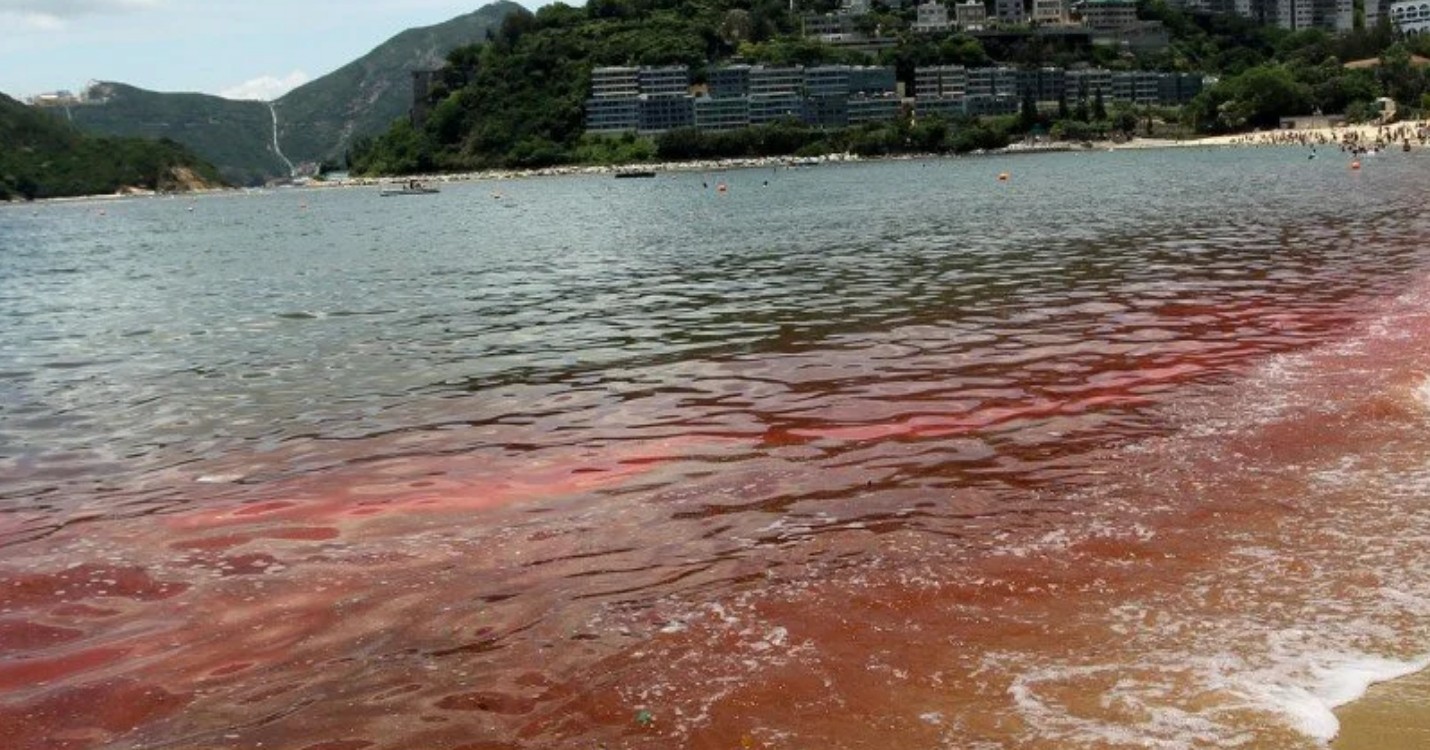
pixel 55 99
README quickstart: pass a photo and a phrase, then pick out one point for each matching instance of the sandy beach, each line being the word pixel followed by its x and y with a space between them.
pixel 1392 715
pixel 1417 132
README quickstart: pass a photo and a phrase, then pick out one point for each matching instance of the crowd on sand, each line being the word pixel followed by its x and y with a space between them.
pixel 1356 140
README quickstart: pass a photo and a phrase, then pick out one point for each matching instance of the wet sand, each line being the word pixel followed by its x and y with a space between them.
pixel 1393 715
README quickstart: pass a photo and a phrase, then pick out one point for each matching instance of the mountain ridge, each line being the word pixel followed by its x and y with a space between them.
pixel 317 121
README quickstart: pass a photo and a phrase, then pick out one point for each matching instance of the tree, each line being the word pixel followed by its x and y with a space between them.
pixel 1027 112
pixel 736 27
pixel 1099 107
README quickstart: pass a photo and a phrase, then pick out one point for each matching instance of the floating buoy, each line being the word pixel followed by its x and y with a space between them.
pixel 1002 176
pixel 721 188
pixel 1355 165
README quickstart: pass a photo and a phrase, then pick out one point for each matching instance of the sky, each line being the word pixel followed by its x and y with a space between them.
pixel 250 49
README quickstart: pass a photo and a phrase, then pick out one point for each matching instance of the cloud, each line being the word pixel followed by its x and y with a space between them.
pixel 54 15
pixel 265 88
pixel 74 8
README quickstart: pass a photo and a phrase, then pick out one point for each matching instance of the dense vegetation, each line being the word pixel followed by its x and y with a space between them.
pixel 319 119
pixel 44 157
pixel 517 101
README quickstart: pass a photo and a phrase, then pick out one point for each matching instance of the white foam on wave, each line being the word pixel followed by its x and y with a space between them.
pixel 1422 393
pixel 1335 681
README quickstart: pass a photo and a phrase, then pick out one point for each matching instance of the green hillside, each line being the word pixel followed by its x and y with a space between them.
pixel 518 100
pixel 317 121
pixel 236 136
pixel 45 157
pixel 320 119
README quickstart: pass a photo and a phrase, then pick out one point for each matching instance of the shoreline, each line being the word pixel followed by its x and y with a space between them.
pixel 1329 137
pixel 1390 715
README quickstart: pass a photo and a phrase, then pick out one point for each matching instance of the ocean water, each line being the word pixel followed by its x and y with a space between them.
pixel 1125 452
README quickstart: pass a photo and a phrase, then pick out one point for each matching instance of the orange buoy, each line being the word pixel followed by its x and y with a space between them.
pixel 1002 176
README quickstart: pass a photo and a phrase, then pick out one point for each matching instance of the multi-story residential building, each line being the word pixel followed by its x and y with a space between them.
pixel 865 109
pixel 826 81
pixel 825 111
pixel 1050 12
pixel 767 109
pixel 982 105
pixel 829 25
pixel 614 105
pixel 612 114
pixel 992 82
pixel 1135 87
pixel 671 80
pixel 661 113
pixel 1043 84
pixel 776 81
pixel 1411 16
pixel 932 16
pixel 971 15
pixel 1010 11
pixel 1109 15
pixel 722 113
pixel 872 80
pixel 728 82
pixel 936 87
pixel 1086 83
pixel 641 99
pixel 1376 10
pixel 615 82
pixel 940 82
pixel 1332 15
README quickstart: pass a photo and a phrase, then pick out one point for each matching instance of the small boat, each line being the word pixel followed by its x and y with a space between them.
pixel 625 174
pixel 413 187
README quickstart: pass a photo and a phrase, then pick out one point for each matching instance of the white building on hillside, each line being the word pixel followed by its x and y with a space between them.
pixel 1411 17
pixel 971 15
pixel 933 16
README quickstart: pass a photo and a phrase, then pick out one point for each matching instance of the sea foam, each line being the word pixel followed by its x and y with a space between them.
pixel 1334 682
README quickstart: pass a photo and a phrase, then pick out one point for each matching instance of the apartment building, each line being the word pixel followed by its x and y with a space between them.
pixel 652 100
pixel 932 16
pixel 1411 17
pixel 1109 15
pixel 971 15
pixel 953 90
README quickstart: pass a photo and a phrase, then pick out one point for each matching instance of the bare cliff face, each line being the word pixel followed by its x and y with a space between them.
pixel 185 180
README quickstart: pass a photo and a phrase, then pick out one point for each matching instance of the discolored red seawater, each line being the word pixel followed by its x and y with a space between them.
pixel 1127 452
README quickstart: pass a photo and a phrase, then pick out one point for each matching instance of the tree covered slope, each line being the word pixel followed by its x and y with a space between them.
pixel 45 157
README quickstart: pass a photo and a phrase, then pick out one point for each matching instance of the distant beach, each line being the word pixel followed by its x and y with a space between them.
pixel 1394 136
